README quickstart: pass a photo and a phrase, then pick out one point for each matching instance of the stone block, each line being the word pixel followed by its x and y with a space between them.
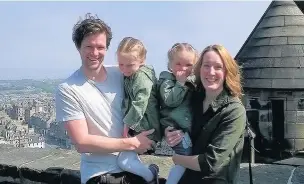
pixel 299 144
pixel 70 176
pixel 296 40
pixel 295 131
pixel 298 94
pixel 290 116
pixel 278 40
pixel 300 116
pixel 282 94
pixel 9 170
pixel 272 22
pixel 31 174
pixel 252 93
pixel 291 105
pixel 53 174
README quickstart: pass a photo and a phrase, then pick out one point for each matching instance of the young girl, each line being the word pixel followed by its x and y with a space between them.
pixel 175 89
pixel 140 105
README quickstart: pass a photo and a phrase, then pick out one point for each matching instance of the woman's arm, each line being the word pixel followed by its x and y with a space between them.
pixel 190 162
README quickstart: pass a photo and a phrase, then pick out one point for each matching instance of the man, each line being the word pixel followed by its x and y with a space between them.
pixel 89 103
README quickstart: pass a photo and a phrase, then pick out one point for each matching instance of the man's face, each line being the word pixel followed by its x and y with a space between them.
pixel 92 51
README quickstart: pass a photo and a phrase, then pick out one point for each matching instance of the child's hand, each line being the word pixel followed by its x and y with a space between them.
pixel 181 76
pixel 125 131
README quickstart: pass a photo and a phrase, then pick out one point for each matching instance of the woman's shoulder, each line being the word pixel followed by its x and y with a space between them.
pixel 234 109
pixel 235 103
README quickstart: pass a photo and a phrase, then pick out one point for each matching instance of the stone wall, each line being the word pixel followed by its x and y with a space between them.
pixel 293 114
pixel 34 165
pixel 55 166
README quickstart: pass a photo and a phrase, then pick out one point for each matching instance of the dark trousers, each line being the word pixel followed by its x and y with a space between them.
pixel 119 178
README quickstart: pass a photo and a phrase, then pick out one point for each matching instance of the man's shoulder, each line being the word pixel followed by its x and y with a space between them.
pixel 112 68
pixel 75 78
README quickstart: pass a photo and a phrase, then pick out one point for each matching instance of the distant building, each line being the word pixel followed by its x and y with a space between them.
pixel 18 112
pixel 22 137
pixel 28 113
pixel 41 122
pixel 4 118
pixel 38 106
pixel 18 138
pixel 36 141
pixel 58 135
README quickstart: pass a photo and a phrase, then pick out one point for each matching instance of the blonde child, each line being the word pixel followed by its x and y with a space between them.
pixel 140 105
pixel 175 88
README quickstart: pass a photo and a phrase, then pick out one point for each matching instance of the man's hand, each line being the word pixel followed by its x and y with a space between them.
pixel 181 76
pixel 141 142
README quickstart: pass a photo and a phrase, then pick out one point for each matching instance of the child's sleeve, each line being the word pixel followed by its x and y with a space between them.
pixel 172 93
pixel 141 89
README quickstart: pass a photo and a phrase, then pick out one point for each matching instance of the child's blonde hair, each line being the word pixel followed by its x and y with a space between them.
pixel 179 47
pixel 134 47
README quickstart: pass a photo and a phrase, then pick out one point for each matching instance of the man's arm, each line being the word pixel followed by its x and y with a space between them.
pixel 87 143
pixel 69 110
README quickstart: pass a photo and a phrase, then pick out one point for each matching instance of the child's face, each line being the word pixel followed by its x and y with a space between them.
pixel 128 65
pixel 182 62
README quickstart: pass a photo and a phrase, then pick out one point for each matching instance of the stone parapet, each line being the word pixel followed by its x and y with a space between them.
pixel 51 166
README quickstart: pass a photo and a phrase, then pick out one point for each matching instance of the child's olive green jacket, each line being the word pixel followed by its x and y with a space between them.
pixel 175 101
pixel 140 105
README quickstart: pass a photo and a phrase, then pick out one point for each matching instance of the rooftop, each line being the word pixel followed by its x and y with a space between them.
pixel 273 54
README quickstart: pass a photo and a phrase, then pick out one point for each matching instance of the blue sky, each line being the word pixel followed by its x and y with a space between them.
pixel 36 37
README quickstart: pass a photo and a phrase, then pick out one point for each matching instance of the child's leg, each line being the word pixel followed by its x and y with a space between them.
pixel 175 174
pixel 130 162
pixel 177 171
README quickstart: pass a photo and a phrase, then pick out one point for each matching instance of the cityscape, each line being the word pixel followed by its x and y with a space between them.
pixel 27 115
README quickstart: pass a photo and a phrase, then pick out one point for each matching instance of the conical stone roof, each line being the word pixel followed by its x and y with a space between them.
pixel 273 54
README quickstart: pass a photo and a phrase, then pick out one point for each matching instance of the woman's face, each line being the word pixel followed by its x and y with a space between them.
pixel 212 72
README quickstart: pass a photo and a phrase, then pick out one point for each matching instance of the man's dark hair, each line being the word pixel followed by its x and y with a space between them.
pixel 90 25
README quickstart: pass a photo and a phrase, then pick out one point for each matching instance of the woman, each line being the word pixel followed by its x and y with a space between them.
pixel 219 122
